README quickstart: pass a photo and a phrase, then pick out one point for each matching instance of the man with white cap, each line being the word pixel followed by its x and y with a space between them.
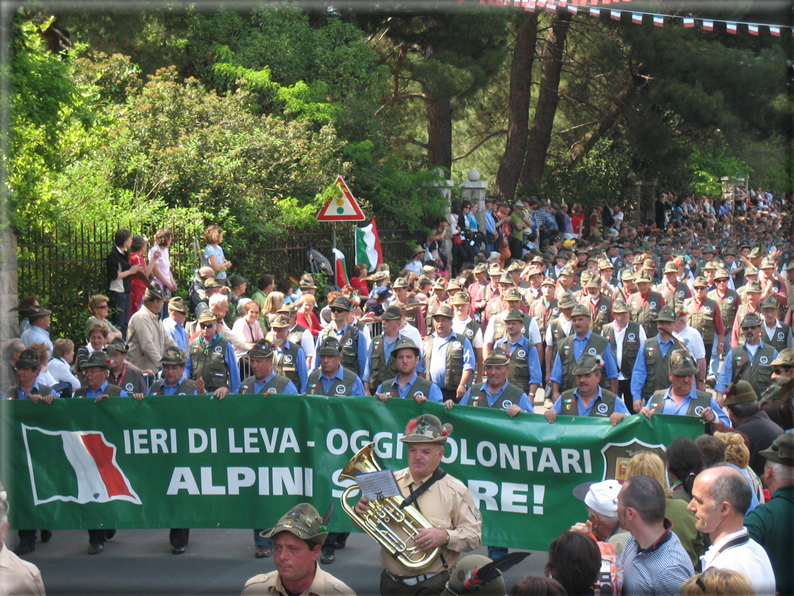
pixel 298 538
pixel 602 512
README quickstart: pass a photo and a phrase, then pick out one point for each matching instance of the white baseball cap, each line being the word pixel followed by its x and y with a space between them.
pixel 601 497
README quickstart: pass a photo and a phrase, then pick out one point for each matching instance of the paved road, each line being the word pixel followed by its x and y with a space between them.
pixel 138 562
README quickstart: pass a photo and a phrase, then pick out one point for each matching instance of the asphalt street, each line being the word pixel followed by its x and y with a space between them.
pixel 217 561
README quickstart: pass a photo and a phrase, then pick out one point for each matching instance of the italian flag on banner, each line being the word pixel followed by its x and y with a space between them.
pixel 368 249
pixel 340 268
pixel 74 466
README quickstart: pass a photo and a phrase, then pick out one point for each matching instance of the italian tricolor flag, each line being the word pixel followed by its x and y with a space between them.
pixel 340 268
pixel 74 466
pixel 368 249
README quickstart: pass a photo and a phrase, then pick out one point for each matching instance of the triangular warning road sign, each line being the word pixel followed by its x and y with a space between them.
pixel 342 207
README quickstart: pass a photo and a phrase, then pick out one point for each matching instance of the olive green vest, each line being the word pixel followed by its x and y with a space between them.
pixel 602 314
pixel 604 405
pixel 779 339
pixel 674 297
pixel 631 345
pixel 349 345
pixel 519 364
pixel 132 382
pixel 44 390
pixel 110 391
pixel 510 396
pixel 696 406
pixel 454 367
pixel 544 315
pixel 595 346
pixel 657 366
pixel 275 385
pixel 728 306
pixel 337 387
pixel 296 335
pixel 210 364
pixel 186 387
pixel 421 387
pixel 703 319
pixel 759 373
pixel 285 363
pixel 432 306
pixel 382 370
pixel 470 331
pixel 646 314
pixel 741 313
pixel 557 334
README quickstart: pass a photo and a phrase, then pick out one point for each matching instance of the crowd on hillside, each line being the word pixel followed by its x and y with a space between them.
pixel 689 314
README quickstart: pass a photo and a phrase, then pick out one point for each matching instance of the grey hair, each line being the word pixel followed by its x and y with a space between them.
pixel 607 518
pixel 11 346
pixel 781 471
pixel 217 299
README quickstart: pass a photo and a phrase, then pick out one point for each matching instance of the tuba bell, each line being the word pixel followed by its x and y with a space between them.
pixel 393 527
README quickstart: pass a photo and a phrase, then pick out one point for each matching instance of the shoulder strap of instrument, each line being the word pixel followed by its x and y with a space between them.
pixel 415 494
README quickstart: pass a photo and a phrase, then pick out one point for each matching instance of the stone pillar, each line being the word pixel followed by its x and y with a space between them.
pixel 475 190
pixel 9 322
pixel 445 187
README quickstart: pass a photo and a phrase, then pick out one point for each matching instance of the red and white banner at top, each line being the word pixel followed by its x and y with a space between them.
pixel 658 20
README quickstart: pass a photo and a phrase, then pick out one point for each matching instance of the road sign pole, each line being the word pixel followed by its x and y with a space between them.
pixel 333 234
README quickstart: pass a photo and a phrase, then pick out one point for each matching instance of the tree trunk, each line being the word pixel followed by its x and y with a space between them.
pixel 439 131
pixel 608 118
pixel 518 107
pixel 540 136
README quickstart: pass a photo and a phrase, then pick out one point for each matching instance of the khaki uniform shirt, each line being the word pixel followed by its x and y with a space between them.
pixel 447 505
pixel 18 577
pixel 269 584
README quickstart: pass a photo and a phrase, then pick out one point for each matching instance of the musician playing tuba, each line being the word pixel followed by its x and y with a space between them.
pixel 443 500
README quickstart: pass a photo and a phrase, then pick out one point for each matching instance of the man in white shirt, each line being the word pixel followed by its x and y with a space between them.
pixel 720 498
pixel 691 338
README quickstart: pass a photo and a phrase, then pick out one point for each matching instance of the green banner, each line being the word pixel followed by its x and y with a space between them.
pixel 196 462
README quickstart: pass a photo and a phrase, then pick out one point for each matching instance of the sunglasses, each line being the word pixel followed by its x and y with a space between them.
pixel 337 310
pixel 781 370
pixel 102 306
pixel 207 325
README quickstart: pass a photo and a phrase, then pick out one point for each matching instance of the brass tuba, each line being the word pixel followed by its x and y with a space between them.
pixel 392 527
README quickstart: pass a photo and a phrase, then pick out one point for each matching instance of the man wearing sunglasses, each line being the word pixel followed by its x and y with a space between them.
pixel 782 375
pixel 211 358
pixel 753 350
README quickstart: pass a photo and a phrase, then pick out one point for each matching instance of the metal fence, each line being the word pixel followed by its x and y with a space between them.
pixel 65 266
